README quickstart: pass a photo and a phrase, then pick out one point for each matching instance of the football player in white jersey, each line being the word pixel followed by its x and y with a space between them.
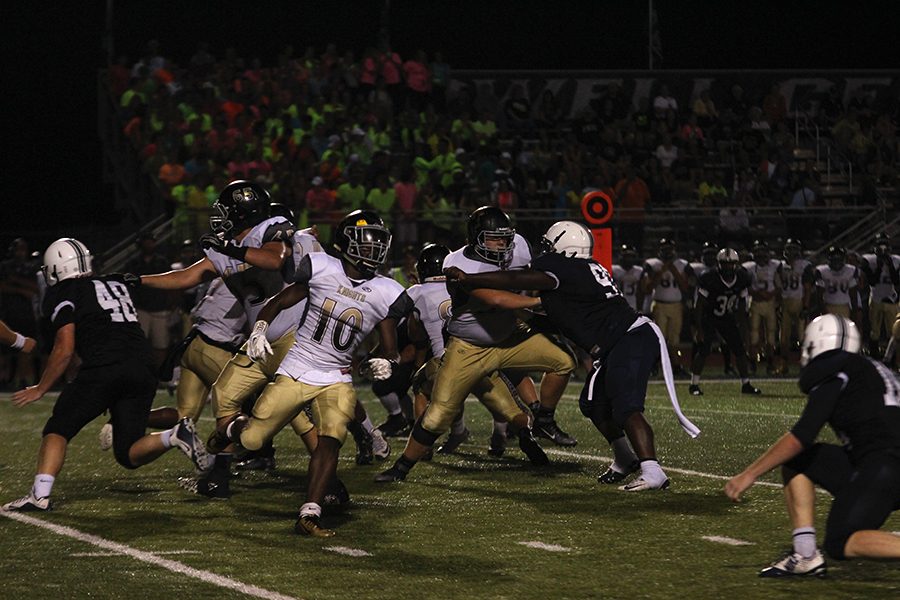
pixel 882 270
pixel 836 284
pixel 667 280
pixel 484 338
pixel 797 280
pixel 627 275
pixel 765 299
pixel 345 300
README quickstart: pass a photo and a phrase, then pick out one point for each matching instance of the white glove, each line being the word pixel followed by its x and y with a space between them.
pixel 379 369
pixel 257 345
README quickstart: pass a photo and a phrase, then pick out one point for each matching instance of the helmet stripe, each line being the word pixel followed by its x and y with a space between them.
pixel 79 254
pixel 843 330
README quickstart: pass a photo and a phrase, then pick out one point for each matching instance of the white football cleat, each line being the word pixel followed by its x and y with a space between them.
pixel 380 447
pixel 184 437
pixel 794 565
pixel 27 504
pixel 640 484
pixel 105 437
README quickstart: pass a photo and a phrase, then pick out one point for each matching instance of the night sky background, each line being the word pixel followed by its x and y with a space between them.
pixel 51 54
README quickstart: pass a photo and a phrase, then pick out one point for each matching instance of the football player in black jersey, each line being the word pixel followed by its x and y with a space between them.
pixel 95 318
pixel 860 398
pixel 721 299
pixel 581 299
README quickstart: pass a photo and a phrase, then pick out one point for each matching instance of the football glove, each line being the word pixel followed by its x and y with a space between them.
pixel 378 369
pixel 257 345
pixel 210 241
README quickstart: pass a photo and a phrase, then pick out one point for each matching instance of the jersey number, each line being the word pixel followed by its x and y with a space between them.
pixel 606 283
pixel 113 298
pixel 348 320
pixel 444 310
pixel 725 304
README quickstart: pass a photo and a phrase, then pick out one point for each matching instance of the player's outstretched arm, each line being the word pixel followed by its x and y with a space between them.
pixel 181 279
pixel 520 279
pixel 786 448
pixel 57 363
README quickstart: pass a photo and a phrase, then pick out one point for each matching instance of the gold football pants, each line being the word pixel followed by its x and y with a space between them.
pixel 201 364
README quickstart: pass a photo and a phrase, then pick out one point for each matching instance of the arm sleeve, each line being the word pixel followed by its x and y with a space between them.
pixel 818 409
pixel 282 231
pixel 303 272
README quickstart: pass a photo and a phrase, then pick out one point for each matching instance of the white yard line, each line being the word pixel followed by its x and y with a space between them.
pixel 719 539
pixel 347 551
pixel 150 558
pixel 119 554
pixel 547 547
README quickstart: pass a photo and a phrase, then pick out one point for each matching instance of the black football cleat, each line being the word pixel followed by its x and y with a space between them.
pixel 256 463
pixel 391 475
pixel 395 426
pixel 497 444
pixel 611 476
pixel 694 390
pixel 551 431
pixel 364 452
pixel 336 494
pixel 532 449
pixel 748 388
pixel 453 441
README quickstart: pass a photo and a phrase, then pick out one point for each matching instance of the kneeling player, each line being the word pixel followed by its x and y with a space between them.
pixel 860 399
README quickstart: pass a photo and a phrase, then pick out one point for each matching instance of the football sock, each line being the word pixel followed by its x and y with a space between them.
pixel 545 415
pixel 651 471
pixel 695 379
pixel 310 509
pixel 805 541
pixel 166 437
pixel 623 454
pixel 367 425
pixel 459 425
pixel 404 465
pixel 391 403
pixel 500 427
pixel 43 483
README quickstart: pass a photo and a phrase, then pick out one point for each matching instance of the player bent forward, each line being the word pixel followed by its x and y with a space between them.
pixel 860 399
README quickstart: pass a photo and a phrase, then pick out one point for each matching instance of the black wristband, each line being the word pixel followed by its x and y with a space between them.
pixel 237 252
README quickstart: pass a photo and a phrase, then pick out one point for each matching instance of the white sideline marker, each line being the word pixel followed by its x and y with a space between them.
pixel 547 547
pixel 348 551
pixel 150 557
pixel 721 539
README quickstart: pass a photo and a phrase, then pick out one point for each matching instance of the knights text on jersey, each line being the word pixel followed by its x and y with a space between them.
pixel 586 305
pixel 722 298
pixel 837 284
pixel 471 320
pixel 860 399
pixel 431 303
pixel 106 324
pixel 340 313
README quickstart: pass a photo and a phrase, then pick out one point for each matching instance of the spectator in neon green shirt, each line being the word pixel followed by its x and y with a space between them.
pixel 382 199
pixel 351 194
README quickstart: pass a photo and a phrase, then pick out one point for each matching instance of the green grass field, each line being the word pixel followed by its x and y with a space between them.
pixel 456 528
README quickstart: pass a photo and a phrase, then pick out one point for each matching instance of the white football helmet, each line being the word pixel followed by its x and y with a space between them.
pixel 569 239
pixel 829 332
pixel 64 259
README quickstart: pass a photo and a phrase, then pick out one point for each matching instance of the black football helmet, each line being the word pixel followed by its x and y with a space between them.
pixel 666 249
pixel 627 256
pixel 708 254
pixel 837 257
pixel 793 249
pixel 489 223
pixel 760 252
pixel 431 261
pixel 240 205
pixel 362 240
pixel 881 244
pixel 277 209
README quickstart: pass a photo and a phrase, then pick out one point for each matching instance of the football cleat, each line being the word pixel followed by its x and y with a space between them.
pixel 453 441
pixel 210 487
pixel 105 437
pixel 640 484
pixel 794 565
pixel 531 448
pixel 695 390
pixel 748 388
pixel 391 475
pixel 364 454
pixel 184 437
pixel 395 426
pixel 380 447
pixel 497 444
pixel 309 525
pixel 610 475
pixel 256 463
pixel 27 504
pixel 551 431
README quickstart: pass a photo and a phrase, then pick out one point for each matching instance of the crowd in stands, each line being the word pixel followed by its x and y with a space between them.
pixel 329 131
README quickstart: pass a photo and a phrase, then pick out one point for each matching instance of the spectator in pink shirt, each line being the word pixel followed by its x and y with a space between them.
pixel 406 229
pixel 418 81
pixel 320 201
pixel 391 66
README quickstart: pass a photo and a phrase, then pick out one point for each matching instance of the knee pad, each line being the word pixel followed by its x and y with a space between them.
pixel 422 435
